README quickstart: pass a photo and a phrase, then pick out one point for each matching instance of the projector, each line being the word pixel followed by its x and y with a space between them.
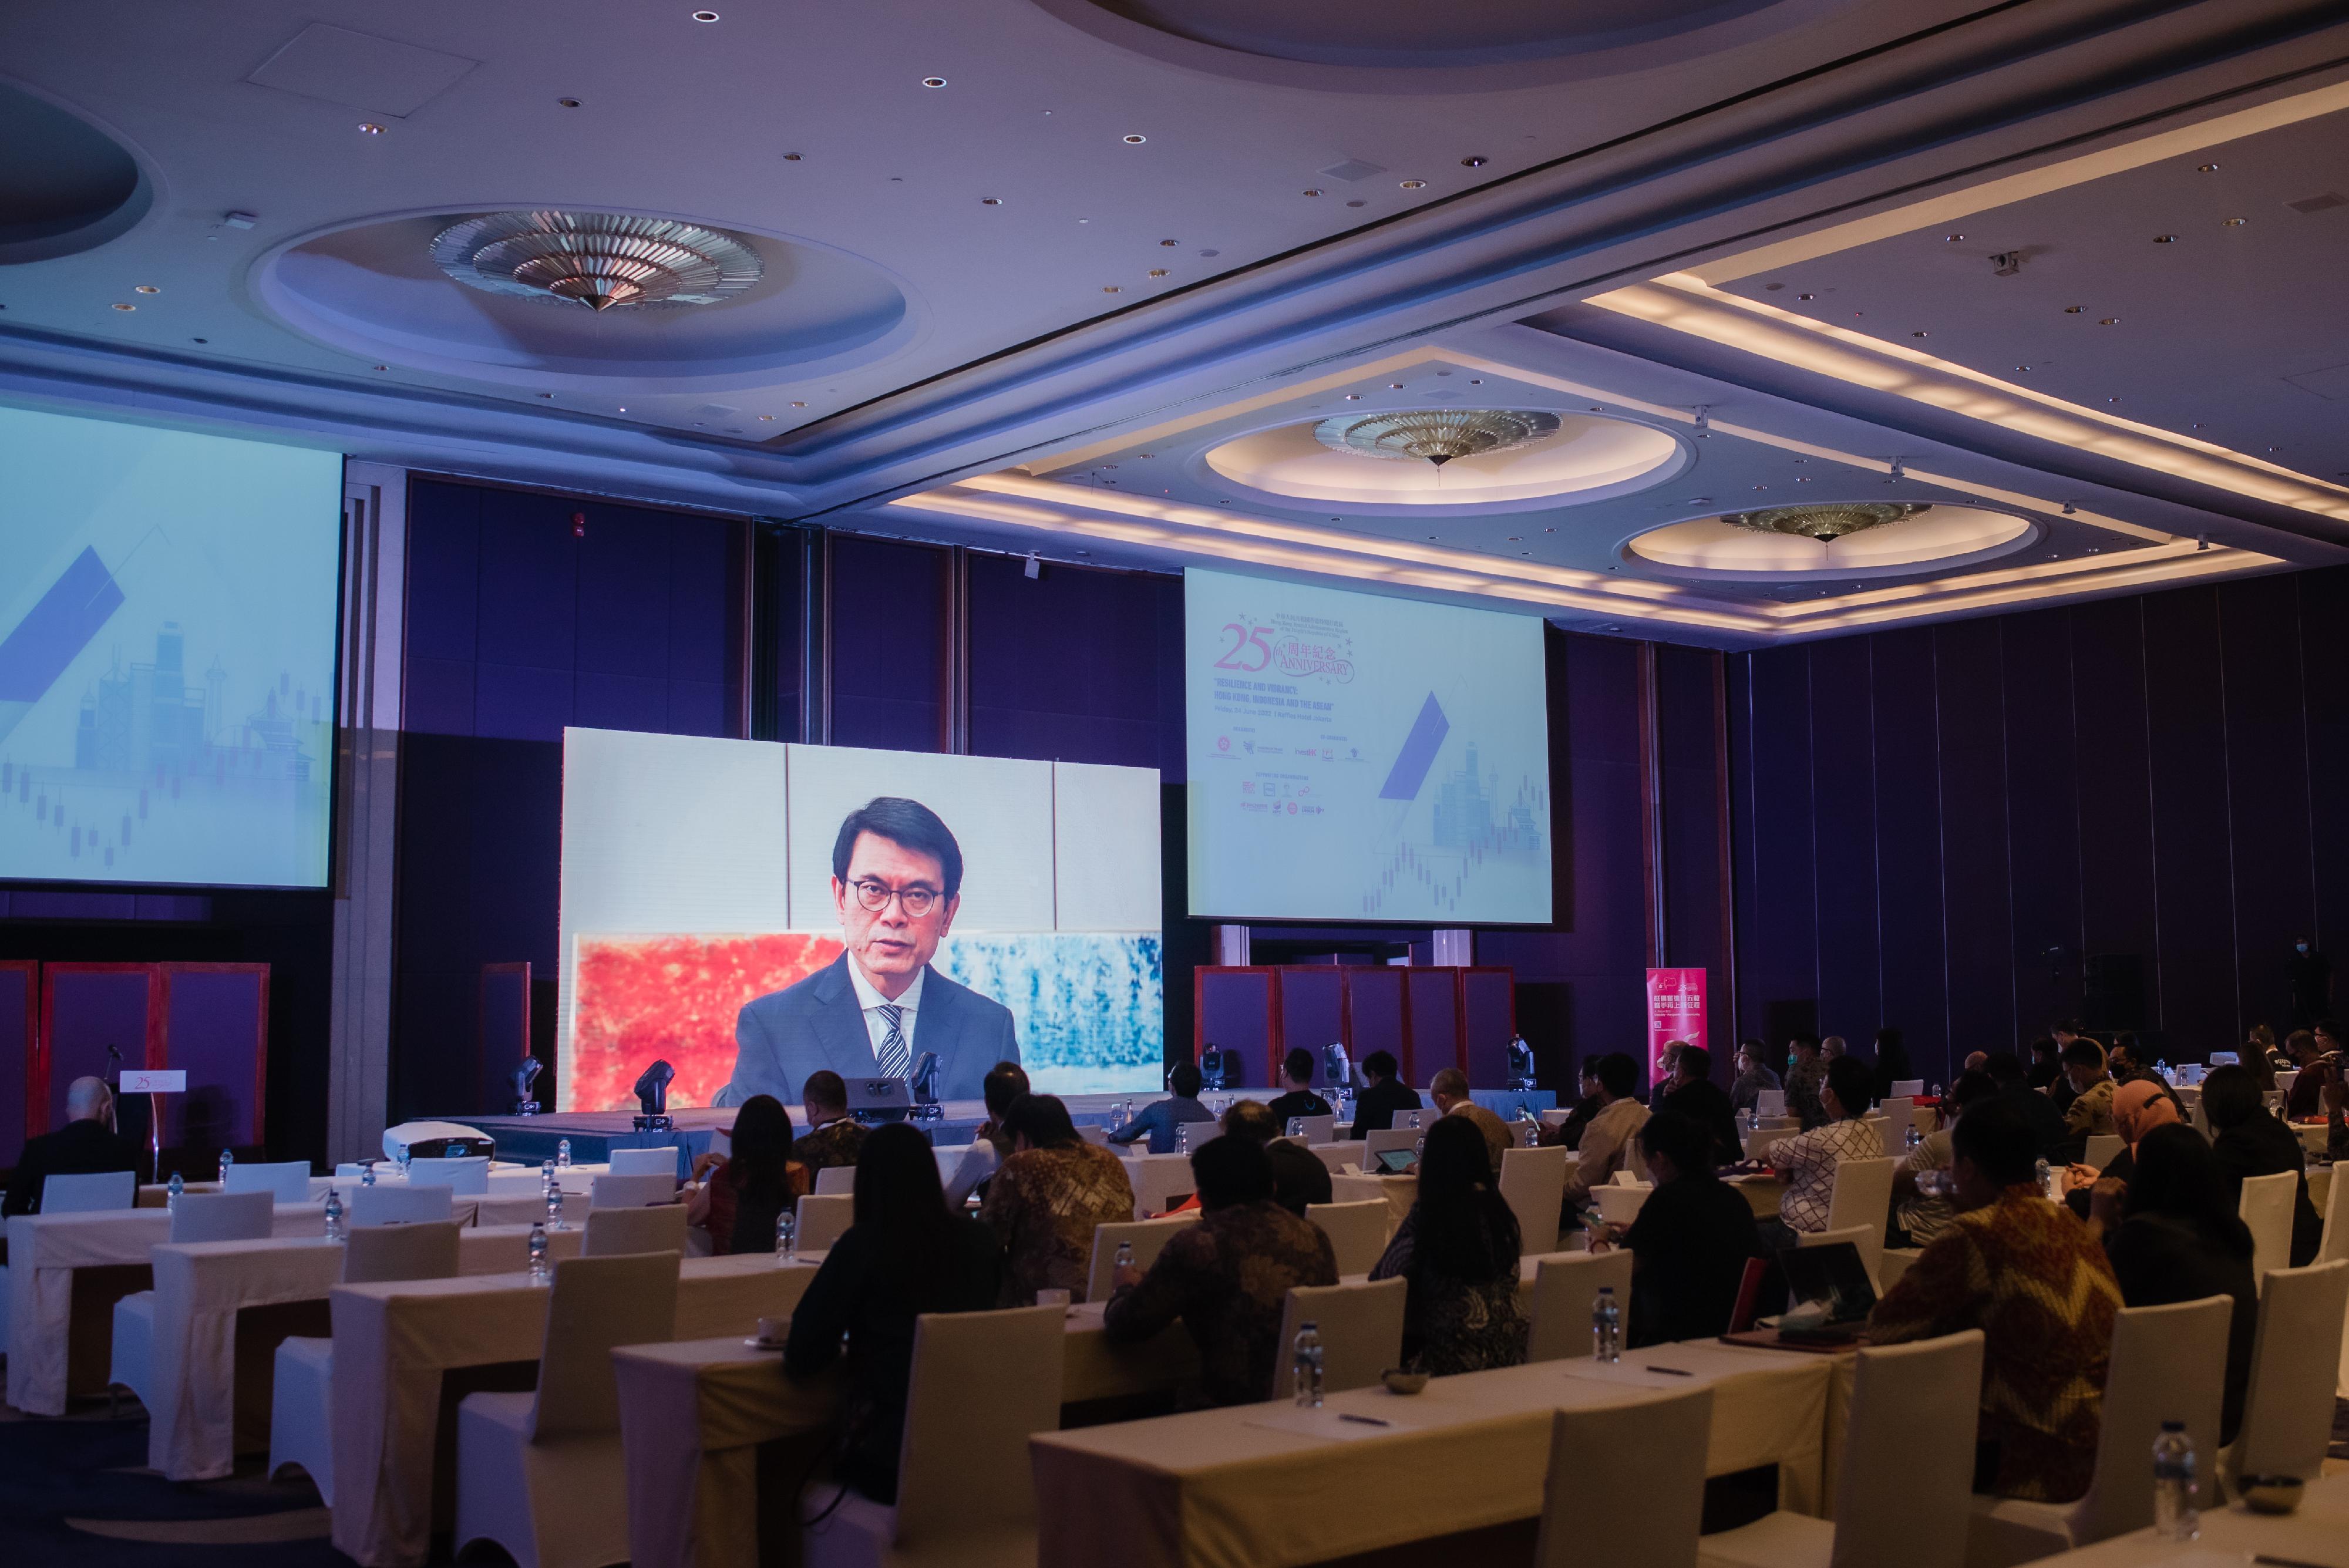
pixel 436 1140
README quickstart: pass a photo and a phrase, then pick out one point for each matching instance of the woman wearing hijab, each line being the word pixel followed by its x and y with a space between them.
pixel 2139 1106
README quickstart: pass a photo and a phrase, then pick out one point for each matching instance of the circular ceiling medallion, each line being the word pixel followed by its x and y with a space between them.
pixel 1490 460
pixel 66 186
pixel 554 298
pixel 1833 539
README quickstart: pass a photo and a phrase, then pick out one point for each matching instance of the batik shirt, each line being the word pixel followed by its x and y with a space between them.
pixel 1042 1206
pixel 832 1144
pixel 1228 1278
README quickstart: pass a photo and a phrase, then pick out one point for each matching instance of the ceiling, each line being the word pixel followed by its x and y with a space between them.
pixel 1090 294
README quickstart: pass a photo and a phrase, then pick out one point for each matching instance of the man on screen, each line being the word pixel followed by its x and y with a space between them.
pixel 897 882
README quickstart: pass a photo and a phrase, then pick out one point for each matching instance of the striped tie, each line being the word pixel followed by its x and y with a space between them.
pixel 894 1058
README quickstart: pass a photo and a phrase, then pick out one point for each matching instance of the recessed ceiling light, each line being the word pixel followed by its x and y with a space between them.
pixel 990 200
pixel 2234 223
pixel 1474 162
pixel 2164 238
pixel 1158 272
pixel 122 307
pixel 1807 296
pixel 2110 321
pixel 934 81
pixel 1414 184
pixel 568 102
pixel 2208 169
pixel 1135 140
pixel 1476 380
pixel 767 419
pixel 1211 253
pixel 1111 288
pixel 624 407
pixel 797 404
pixel 1917 335
pixel 369 128
pixel 2022 367
pixel 546 394
pixel 1515 539
pixel 146 288
pixel 1312 193
pixel 1952 239
pixel 1395 386
pixel 1353 397
pixel 383 366
pixel 2074 309
pixel 1358 202
pixel 1170 242
pixel 198 340
pixel 705 16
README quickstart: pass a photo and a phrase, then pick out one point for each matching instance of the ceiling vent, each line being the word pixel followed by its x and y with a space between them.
pixel 2324 204
pixel 597 259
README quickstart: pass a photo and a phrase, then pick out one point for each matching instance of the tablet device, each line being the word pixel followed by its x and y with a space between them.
pixel 1397 1161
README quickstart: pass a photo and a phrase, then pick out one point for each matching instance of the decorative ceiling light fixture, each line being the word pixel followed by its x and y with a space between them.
pixel 1435 435
pixel 1826 523
pixel 597 259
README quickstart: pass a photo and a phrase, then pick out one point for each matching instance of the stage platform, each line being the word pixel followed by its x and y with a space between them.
pixel 595 1134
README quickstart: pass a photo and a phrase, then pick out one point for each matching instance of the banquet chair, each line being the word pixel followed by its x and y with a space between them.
pixel 824 1221
pixel 631 1191
pixel 301 1407
pixel 1862 1199
pixel 614 1232
pixel 1357 1233
pixel 983 1384
pixel 1377 1142
pixel 2335 1245
pixel 1361 1327
pixel 2266 1206
pixel 65 1194
pixel 1342 1158
pixel 1564 1289
pixel 466 1176
pixel 2288 1404
pixel 1533 1184
pixel 542 1474
pixel 2102 1149
pixel 1759 1141
pixel 1903 1490
pixel 1319 1130
pixel 289 1179
pixel 835 1178
pixel 661 1161
pixel 373 1206
pixel 2167 1364
pixel 1652 1449
pixel 1161 1180
pixel 1149 1238
pixel 1908 1088
pixel 1094 1133
pixel 1898 1111
pixel 200 1216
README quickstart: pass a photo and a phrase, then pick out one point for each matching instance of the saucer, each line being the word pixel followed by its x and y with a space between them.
pixel 755 1342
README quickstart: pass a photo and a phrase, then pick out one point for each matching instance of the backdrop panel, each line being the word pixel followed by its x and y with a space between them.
pixel 1374 1008
pixel 216 1028
pixel 1432 1011
pixel 1236 1008
pixel 85 1008
pixel 20 1022
pixel 1313 1014
pixel 1488 998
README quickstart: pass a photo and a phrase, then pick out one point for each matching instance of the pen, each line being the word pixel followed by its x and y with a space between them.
pixel 1675 1371
pixel 1365 1420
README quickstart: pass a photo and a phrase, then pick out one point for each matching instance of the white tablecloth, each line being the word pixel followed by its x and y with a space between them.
pixel 200 1286
pixel 44 1250
pixel 1213 1488
pixel 393 1343
pixel 2317 1534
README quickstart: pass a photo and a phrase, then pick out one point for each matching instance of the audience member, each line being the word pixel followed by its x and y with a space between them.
pixel 991 1146
pixel 1226 1277
pixel 1044 1201
pixel 1449 1090
pixel 2090 1112
pixel 1807 1162
pixel 2172 1235
pixel 2139 1107
pixel 2310 1053
pixel 2125 1061
pixel 1667 1061
pixel 1807 1070
pixel 1891 1062
pixel 1695 1096
pixel 2059 1088
pixel 1754 1075
pixel 750 1187
pixel 1567 1134
pixel 1458 1249
pixel 1375 1106
pixel 2046 1061
pixel 2260 1055
pixel 2249 1141
pixel 1298 1176
pixel 833 1137
pixel 1157 1120
pixel 1296 1080
pixel 1976 1062
pixel 85 1146
pixel 1691 1241
pixel 2336 1119
pixel 905 1254
pixel 2037 1109
pixel 1606 1140
pixel 1920 1216
pixel 2035 1282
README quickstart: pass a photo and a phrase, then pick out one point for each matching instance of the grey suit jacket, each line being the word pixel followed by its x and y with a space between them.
pixel 780 1038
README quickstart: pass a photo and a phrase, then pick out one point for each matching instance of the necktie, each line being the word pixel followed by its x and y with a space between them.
pixel 894 1058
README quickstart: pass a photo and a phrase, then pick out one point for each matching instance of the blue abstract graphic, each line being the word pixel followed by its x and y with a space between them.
pixel 1091 1007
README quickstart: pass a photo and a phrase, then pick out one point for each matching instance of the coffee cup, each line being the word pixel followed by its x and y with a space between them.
pixel 774 1330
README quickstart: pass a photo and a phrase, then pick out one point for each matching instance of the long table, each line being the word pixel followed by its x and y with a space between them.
pixel 1268 1486
pixel 2316 1535
pixel 394 1345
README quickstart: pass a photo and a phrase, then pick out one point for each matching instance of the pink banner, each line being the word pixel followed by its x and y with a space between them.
pixel 1675 1012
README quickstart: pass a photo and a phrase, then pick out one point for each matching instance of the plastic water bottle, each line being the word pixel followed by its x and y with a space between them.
pixel 1126 1254
pixel 1915 1138
pixel 555 1206
pixel 1414 1121
pixel 1606 1326
pixel 1181 1138
pixel 546 1182
pixel 787 1232
pixel 1937 1091
pixel 228 1163
pixel 171 1190
pixel 541 1271
pixel 367 1174
pixel 563 1153
pixel 2174 1517
pixel 2047 1178
pixel 1744 1125
pixel 405 1156
pixel 1297 1126
pixel 1305 1366
pixel 334 1215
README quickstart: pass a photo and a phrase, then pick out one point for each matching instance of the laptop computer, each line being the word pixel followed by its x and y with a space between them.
pixel 1834 1274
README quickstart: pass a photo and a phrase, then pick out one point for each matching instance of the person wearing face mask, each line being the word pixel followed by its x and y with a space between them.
pixel 2311 976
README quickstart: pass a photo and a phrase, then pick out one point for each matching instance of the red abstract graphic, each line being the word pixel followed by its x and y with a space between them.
pixel 637 998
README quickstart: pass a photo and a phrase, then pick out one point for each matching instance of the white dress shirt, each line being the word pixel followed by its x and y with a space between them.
pixel 877 1028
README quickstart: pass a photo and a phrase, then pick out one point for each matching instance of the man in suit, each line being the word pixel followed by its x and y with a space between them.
pixel 897 882
pixel 1375 1106
pixel 87 1144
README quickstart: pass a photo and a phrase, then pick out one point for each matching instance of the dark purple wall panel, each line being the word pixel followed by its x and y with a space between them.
pixel 1434 1002
pixel 2324 670
pixel 1773 784
pixel 1907 717
pixel 1312 1012
pixel 2266 788
pixel 1236 1013
pixel 2186 729
pixel 2043 817
pixel 88 1011
pixel 1374 1011
pixel 1843 828
pixel 19 1021
pixel 216 1026
pixel 1072 665
pixel 889 628
pixel 1978 902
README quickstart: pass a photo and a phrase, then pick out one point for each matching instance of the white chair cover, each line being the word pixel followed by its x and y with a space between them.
pixel 1357 1233
pixel 223 1217
pixel 289 1179
pixel 2169 1364
pixel 1148 1236
pixel 1533 1184
pixel 2288 1404
pixel 835 1178
pixel 372 1206
pixel 467 1177
pixel 425 1252
pixel 631 1191
pixel 1319 1130
pixel 824 1221
pixel 1342 1157
pixel 1769 1103
pixel 1626 1483
pixel 1094 1133
pixel 617 1232
pixel 1163 1180
pixel 1910 1087
pixel 1377 1142
pixel 2266 1206
pixel 2103 1148
pixel 661 1161
pixel 1565 1287
pixel 1361 1327
pixel 542 1474
pixel 2335 1245
pixel 1618 1202
pixel 1862 1199
pixel 1898 1111
pixel 87 1194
